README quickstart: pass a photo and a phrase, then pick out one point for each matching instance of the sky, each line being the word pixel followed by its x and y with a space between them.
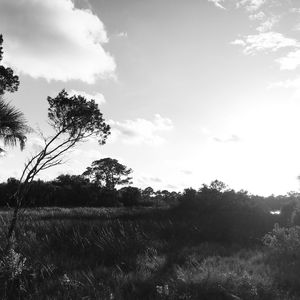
pixel 194 90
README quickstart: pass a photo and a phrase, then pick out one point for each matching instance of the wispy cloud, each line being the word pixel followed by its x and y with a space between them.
pixel 251 5
pixel 52 39
pixel 218 3
pixel 141 131
pixel 267 24
pixel 291 61
pixel 257 16
pixel 122 34
pixel 265 41
pixel 274 29
pixel 98 97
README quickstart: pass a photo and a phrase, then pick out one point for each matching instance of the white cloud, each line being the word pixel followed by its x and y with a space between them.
pixel 98 97
pixel 265 41
pixel 52 39
pixel 268 24
pixel 257 16
pixel 141 131
pixel 291 61
pixel 251 5
pixel 217 3
pixel 122 34
pixel 35 143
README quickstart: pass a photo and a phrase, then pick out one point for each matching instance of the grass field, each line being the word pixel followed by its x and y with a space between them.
pixel 118 253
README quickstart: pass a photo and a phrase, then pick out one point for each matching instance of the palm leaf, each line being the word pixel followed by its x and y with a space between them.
pixel 13 128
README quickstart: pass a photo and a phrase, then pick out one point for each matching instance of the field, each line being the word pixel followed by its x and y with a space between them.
pixel 118 253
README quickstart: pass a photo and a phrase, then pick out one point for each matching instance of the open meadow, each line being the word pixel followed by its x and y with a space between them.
pixel 131 253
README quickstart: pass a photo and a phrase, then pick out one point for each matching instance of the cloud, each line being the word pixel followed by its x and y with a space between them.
pixel 153 179
pixel 257 16
pixel 268 24
pixel 251 5
pixel 291 61
pixel 217 3
pixel 141 131
pixel 122 34
pixel 35 143
pixel 52 39
pixel 149 180
pixel 98 97
pixel 172 187
pixel 233 138
pixel 265 41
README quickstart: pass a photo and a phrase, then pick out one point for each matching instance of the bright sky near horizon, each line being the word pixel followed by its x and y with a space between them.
pixel 194 90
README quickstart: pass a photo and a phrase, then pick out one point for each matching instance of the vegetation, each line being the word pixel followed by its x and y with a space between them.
pixel 108 172
pixel 196 247
pixel 79 237
pixel 13 128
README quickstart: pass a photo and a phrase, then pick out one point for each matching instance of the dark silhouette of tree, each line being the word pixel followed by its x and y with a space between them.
pixel 147 193
pixel 130 196
pixel 13 128
pixel 8 81
pixel 108 172
pixel 71 180
pixel 73 119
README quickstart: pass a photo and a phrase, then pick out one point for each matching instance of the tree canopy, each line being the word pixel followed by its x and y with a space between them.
pixel 108 172
pixel 8 80
pixel 77 117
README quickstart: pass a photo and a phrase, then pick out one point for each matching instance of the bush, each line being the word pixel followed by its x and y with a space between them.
pixel 284 255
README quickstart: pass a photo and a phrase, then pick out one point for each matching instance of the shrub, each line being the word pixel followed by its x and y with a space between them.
pixel 284 255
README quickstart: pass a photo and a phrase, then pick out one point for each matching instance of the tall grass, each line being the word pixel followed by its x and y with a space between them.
pixel 87 253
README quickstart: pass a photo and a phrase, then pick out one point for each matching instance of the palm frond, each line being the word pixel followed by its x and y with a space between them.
pixel 13 127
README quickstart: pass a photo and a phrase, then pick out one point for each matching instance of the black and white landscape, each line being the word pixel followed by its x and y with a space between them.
pixel 149 149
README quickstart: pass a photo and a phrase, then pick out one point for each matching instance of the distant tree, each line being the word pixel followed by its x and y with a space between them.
pixel 130 196
pixel 108 172
pixel 218 185
pixel 13 128
pixel 71 180
pixel 73 119
pixel 147 193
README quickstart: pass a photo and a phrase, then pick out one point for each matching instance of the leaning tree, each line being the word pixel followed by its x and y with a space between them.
pixel 73 119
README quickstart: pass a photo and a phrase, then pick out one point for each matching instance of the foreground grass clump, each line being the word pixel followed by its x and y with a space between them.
pixel 87 253
pixel 283 256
